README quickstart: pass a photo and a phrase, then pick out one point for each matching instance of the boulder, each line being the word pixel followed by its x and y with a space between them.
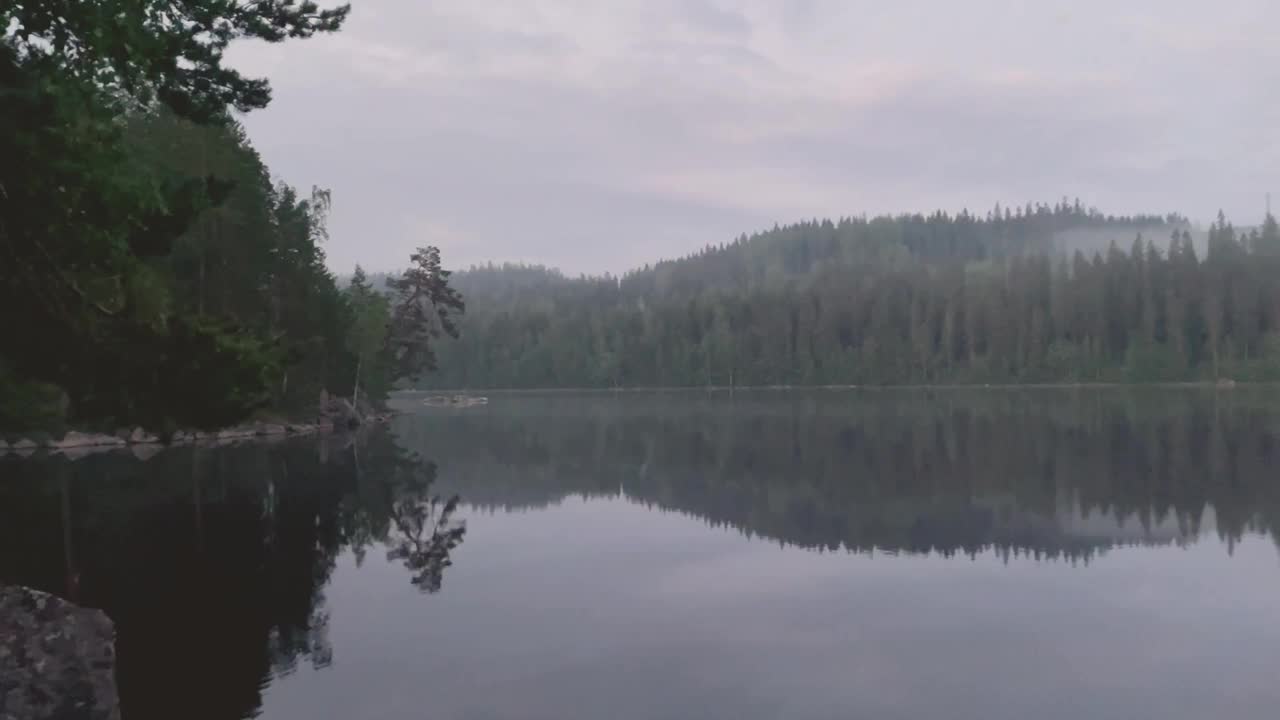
pixel 24 444
pixel 142 437
pixel 340 412
pixel 57 660
pixel 82 440
pixel 234 433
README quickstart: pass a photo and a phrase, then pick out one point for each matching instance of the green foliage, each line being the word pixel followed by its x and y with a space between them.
pixel 367 338
pixel 115 268
pixel 29 406
pixel 906 300
pixel 423 312
pixel 147 50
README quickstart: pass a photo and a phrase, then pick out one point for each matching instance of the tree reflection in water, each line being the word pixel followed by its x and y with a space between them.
pixel 213 562
pixel 423 529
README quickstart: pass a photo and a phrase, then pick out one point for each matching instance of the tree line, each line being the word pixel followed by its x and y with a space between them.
pixel 151 270
pixel 1049 293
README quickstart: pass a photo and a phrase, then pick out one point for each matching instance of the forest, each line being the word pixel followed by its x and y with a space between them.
pixel 152 270
pixel 1037 294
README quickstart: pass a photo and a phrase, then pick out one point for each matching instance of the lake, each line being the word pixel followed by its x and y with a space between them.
pixel 1088 553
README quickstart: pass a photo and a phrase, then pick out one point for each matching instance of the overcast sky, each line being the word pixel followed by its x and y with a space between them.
pixel 597 135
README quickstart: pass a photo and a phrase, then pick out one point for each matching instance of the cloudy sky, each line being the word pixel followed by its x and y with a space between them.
pixel 597 135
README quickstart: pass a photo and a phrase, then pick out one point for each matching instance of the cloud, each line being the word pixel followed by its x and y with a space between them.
pixel 709 16
pixel 597 136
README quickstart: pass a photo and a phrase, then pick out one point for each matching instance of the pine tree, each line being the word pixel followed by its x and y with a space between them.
pixel 423 311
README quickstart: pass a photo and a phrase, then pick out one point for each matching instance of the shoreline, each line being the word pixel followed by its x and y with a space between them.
pixel 75 444
pixel 1179 385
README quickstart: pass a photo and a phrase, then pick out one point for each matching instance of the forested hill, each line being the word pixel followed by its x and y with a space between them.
pixel 1045 293
pixel 802 249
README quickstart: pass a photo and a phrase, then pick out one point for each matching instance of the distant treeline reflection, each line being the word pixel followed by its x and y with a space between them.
pixel 1057 473
pixel 213 562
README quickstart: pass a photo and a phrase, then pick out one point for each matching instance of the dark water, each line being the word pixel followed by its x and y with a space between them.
pixel 999 554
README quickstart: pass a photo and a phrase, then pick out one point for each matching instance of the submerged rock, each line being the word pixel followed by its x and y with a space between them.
pixel 57 660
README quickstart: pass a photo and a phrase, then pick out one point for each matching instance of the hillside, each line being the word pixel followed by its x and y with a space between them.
pixel 1037 294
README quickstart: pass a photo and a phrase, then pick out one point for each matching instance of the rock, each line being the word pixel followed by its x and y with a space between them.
pixel 4 447
pixel 340 412
pixel 180 437
pixel 57 660
pixel 24 444
pixel 82 440
pixel 232 435
pixel 1225 383
pixel 142 437
pixel 271 429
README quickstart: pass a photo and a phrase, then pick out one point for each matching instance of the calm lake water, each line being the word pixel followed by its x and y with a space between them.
pixel 859 554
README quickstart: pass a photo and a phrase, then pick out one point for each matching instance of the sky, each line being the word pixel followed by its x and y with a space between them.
pixel 598 135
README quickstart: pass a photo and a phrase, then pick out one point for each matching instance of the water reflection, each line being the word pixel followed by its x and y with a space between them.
pixel 213 562
pixel 1051 473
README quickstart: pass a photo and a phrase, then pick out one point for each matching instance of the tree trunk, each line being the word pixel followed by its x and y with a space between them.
pixel 355 392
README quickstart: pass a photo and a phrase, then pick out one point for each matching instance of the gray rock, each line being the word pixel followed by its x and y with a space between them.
pixel 57 660
pixel 179 437
pixel 82 440
pixel 340 412
pixel 142 437
pixel 24 444
pixel 271 429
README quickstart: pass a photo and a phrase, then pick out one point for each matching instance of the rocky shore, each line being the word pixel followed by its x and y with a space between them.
pixel 336 414
pixel 57 660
